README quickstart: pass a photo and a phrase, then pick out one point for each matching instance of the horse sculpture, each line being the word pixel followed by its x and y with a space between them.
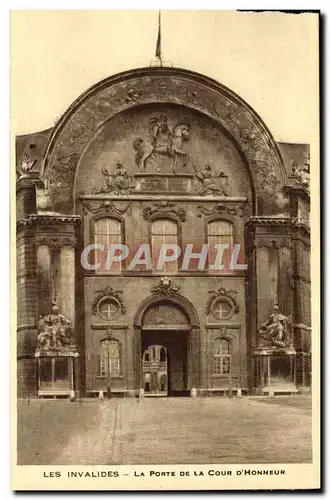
pixel 163 141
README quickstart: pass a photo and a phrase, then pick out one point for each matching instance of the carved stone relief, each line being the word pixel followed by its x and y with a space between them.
pixel 106 206
pixel 166 287
pixel 174 87
pixel 164 140
pixel 163 208
pixel 233 210
pixel 211 183
pixel 108 292
pixel 116 182
pixel 164 314
pixel 222 293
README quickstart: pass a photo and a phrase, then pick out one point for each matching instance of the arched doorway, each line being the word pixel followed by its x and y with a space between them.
pixel 167 347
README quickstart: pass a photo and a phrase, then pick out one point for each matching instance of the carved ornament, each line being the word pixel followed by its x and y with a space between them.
pixel 222 292
pixel 108 292
pixel 212 183
pixel 173 86
pixel 166 287
pixel 163 208
pixel 224 209
pixel 165 140
pixel 106 206
pixel 117 182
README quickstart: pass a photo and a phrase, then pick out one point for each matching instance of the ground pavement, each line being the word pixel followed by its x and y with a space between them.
pixel 164 430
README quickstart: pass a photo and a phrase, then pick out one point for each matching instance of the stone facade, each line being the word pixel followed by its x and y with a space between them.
pixel 162 144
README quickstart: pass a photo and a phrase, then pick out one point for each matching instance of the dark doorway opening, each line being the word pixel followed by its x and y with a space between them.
pixel 164 356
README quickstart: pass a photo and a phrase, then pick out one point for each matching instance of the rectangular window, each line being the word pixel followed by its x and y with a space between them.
pixel 109 360
pixel 221 357
pixel 107 232
pixel 164 232
pixel 220 232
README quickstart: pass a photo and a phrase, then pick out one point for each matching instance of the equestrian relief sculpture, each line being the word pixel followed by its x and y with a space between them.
pixel 164 140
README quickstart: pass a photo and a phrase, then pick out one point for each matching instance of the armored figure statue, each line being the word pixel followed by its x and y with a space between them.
pixel 117 182
pixel 53 330
pixel 206 178
pixel 275 332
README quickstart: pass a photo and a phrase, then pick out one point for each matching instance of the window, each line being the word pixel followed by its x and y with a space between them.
pixel 222 309
pixel 108 309
pixel 220 232
pixel 109 358
pixel 107 231
pixel 221 357
pixel 163 232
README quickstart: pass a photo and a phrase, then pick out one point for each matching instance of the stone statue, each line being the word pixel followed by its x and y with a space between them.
pixel 53 330
pixel 26 164
pixel 208 186
pixel 302 174
pixel 117 182
pixel 275 332
pixel 163 141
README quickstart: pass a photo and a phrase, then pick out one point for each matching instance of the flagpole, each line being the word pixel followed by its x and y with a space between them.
pixel 159 40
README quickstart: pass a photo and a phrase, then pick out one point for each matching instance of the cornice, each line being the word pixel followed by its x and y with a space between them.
pixel 44 219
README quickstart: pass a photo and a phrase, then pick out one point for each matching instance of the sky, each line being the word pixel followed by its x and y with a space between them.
pixel 269 59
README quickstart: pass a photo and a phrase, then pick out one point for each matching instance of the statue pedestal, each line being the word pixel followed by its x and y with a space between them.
pixel 275 370
pixel 56 370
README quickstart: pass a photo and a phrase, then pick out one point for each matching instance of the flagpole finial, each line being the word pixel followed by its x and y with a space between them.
pixel 160 62
pixel 159 39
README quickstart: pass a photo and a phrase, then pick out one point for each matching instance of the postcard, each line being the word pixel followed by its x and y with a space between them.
pixel 165 277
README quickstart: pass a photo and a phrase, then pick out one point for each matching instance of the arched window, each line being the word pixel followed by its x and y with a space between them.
pixel 109 358
pixel 163 232
pixel 220 232
pixel 221 357
pixel 107 232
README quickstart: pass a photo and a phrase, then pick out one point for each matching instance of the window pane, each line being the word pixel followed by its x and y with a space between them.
pixel 221 357
pixel 220 232
pixel 107 232
pixel 164 226
pixel 109 358
pixel 164 232
pixel 220 228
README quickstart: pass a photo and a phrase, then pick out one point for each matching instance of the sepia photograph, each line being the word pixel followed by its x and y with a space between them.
pixel 166 177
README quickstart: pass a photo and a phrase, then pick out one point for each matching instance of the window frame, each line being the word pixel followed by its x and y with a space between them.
pixel 118 218
pixel 221 357
pixel 207 222
pixel 107 376
pixel 175 220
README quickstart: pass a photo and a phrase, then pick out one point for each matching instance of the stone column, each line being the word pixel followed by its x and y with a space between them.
pixel 268 242
pixel 27 290
pixel 203 363
pixel 67 283
pixel 137 357
pixel 44 278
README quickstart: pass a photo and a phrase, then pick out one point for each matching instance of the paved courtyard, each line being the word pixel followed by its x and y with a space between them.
pixel 165 430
